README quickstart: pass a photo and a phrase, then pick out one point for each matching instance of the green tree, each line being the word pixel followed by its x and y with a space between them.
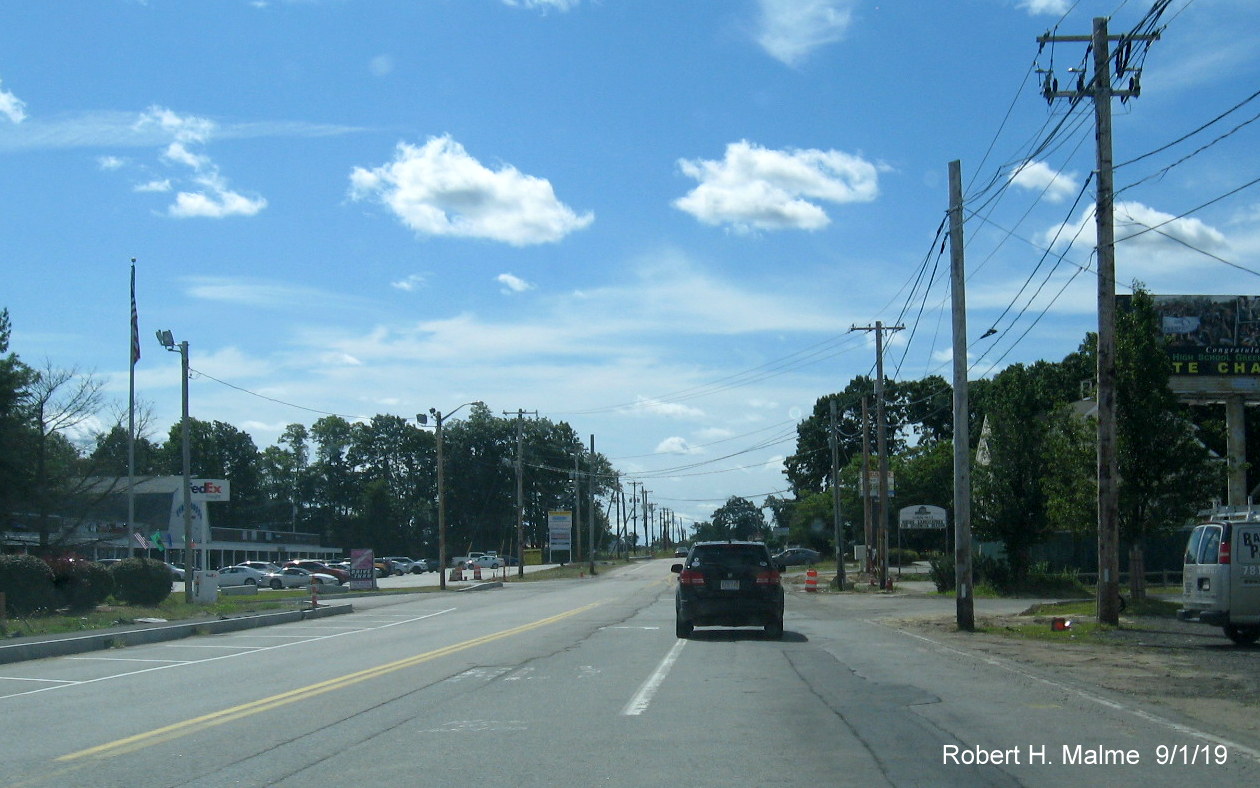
pixel 1165 472
pixel 15 377
pixel 1008 494
pixel 739 518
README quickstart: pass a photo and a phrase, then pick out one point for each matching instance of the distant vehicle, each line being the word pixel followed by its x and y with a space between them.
pixel 310 565
pixel 177 572
pixel 404 563
pixel 485 562
pixel 240 576
pixel 680 551
pixel 462 560
pixel 261 566
pixel 797 556
pixel 428 565
pixel 731 584
pixel 295 577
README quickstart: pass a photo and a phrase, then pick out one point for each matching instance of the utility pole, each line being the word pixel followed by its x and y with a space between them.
pixel 520 488
pixel 881 445
pixel 1099 89
pixel 647 522
pixel 868 519
pixel 964 603
pixel 575 551
pixel 634 512
pixel 590 543
pixel 835 498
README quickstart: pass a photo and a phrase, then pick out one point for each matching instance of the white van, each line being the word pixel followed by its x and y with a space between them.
pixel 1221 575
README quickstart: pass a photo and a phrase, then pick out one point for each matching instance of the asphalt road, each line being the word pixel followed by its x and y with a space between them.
pixel 583 682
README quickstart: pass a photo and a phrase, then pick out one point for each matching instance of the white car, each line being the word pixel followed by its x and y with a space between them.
pixel 293 577
pixel 261 566
pixel 402 562
pixel 485 562
pixel 241 576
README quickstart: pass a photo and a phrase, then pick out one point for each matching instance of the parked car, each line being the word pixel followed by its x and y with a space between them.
pixel 310 565
pixel 428 565
pixel 404 563
pixel 386 567
pixel 296 577
pixel 798 556
pixel 261 566
pixel 485 562
pixel 240 576
pixel 177 572
pixel 734 584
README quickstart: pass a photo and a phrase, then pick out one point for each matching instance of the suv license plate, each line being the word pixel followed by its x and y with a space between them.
pixel 730 585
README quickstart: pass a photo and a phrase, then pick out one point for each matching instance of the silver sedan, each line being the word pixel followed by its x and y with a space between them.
pixel 294 577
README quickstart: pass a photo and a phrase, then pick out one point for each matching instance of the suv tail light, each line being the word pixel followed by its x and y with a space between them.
pixel 691 577
pixel 770 578
pixel 1222 555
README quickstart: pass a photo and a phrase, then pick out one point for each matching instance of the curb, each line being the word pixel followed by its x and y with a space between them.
pixel 100 641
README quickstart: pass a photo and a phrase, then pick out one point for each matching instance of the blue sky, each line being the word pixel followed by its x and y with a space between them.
pixel 655 220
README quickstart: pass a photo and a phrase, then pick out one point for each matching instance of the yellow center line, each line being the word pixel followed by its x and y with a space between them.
pixel 185 727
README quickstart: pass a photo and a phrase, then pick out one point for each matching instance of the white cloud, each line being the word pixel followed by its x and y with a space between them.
pixel 1037 176
pixel 649 407
pixel 411 283
pixel 263 293
pixel 1133 223
pixel 438 189
pixel 381 65
pixel 12 106
pixel 157 186
pixel 214 200
pixel 110 163
pixel 513 284
pixel 676 445
pixel 758 188
pixel 791 29
pixel 1054 7
pixel 545 5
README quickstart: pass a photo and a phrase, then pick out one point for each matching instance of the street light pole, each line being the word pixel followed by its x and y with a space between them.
pixel 167 341
pixel 438 417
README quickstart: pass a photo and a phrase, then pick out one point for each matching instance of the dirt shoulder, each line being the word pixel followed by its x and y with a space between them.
pixel 1191 669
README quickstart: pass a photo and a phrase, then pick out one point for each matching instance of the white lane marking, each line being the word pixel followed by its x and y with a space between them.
pixel 128 659
pixel 639 703
pixel 1113 705
pixel 59 682
pixel 240 651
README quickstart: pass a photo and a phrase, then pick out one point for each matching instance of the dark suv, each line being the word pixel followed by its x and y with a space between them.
pixel 733 584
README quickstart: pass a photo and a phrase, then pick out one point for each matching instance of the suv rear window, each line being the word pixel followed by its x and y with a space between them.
pixel 731 555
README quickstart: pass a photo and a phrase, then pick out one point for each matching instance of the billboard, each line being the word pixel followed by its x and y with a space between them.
pixel 1209 335
pixel 925 517
pixel 560 530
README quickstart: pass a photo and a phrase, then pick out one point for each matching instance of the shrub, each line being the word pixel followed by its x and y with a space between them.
pixel 899 556
pixel 141 581
pixel 27 583
pixel 80 584
pixel 941 570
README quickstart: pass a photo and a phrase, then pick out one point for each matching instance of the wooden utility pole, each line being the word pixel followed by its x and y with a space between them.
pixel 837 525
pixel 881 446
pixel 520 489
pixel 868 519
pixel 965 613
pixel 1099 89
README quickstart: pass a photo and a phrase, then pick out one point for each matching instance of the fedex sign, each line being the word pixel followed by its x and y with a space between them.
pixel 210 490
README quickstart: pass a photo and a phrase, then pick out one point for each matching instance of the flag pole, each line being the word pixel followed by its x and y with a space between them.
pixel 131 414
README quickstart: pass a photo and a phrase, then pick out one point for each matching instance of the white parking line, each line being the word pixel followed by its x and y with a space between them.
pixel 639 703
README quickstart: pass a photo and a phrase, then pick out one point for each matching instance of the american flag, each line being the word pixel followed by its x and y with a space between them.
pixel 135 322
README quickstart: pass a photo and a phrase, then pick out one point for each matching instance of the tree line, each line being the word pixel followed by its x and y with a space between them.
pixel 355 484
pixel 1033 444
